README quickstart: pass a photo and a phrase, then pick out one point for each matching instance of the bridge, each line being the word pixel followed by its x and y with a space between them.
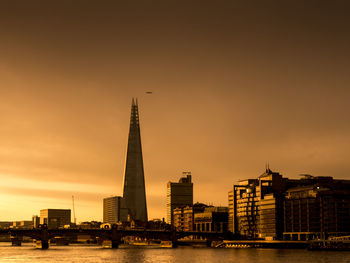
pixel 113 234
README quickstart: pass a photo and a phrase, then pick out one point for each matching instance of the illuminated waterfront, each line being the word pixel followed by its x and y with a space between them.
pixel 87 254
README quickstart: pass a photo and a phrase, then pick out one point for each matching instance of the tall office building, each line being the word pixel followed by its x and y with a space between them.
pixel 134 181
pixel 179 195
pixel 114 210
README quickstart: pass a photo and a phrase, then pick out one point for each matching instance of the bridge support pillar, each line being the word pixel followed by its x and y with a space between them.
pixel 174 239
pixel 115 243
pixel 115 237
pixel 44 237
pixel 208 242
pixel 16 241
pixel 44 244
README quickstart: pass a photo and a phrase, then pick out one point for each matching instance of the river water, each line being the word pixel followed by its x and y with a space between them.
pixel 95 254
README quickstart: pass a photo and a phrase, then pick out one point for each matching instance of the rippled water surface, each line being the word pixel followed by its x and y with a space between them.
pixel 85 254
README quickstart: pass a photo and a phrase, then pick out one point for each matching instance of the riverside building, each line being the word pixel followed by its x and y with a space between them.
pixel 318 210
pixel 212 219
pixel 272 207
pixel 179 195
pixel 183 217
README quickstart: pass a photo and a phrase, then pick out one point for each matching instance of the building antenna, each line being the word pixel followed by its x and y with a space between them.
pixel 75 220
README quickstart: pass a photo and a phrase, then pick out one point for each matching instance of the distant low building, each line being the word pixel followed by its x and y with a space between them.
pixel 22 224
pixel 55 218
pixel 212 219
pixel 5 224
pixel 183 217
pixel 90 225
pixel 36 221
pixel 158 224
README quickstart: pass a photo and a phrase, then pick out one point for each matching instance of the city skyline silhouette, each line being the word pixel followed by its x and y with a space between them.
pixel 233 86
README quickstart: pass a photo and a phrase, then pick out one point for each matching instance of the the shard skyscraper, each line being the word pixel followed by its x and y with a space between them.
pixel 134 181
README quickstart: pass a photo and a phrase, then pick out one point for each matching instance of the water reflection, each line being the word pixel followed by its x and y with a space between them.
pixel 81 254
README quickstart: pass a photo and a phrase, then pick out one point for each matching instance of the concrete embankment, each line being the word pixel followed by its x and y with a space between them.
pixel 262 244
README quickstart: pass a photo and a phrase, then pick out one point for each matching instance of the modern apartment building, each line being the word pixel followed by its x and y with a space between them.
pixel 183 217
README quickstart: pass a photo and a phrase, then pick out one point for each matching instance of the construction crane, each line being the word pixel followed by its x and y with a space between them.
pixel 75 220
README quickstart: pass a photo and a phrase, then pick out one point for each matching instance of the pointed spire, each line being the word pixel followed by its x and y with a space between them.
pixel 268 168
pixel 134 181
pixel 134 117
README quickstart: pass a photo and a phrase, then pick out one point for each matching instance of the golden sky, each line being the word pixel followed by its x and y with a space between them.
pixel 234 86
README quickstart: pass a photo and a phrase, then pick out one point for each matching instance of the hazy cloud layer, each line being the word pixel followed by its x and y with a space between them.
pixel 234 86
